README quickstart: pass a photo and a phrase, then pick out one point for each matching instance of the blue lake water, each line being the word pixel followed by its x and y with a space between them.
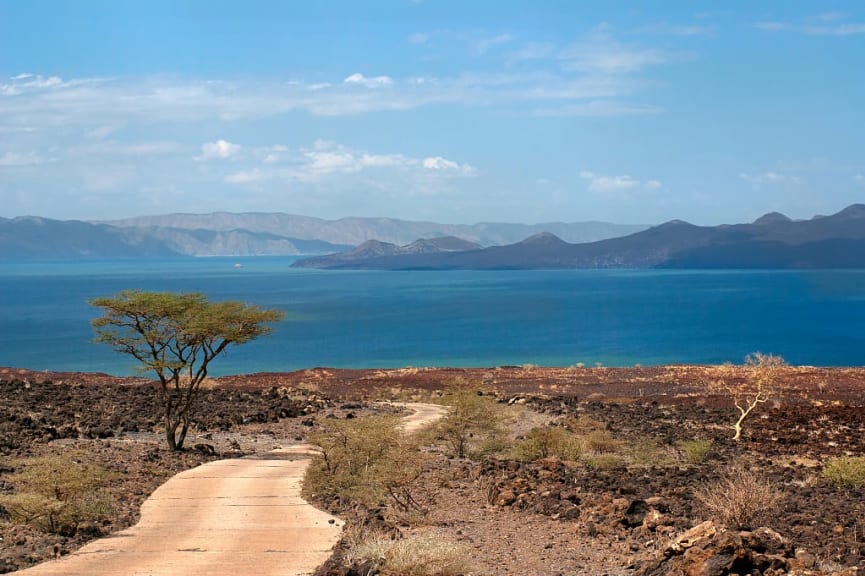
pixel 453 318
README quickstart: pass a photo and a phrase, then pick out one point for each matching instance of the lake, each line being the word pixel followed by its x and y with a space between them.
pixel 366 319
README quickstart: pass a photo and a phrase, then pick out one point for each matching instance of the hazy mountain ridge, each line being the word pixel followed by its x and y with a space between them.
pixel 31 237
pixel 355 231
pixel 772 241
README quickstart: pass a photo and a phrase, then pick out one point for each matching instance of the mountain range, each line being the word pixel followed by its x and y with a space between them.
pixel 29 238
pixel 250 234
pixel 355 231
pixel 771 241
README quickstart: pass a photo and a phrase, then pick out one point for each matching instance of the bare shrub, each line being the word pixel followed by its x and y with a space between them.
pixel 848 472
pixel 740 499
pixel 58 493
pixel 412 556
pixel 759 385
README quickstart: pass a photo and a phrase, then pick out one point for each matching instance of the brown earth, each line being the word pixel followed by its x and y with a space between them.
pixel 545 517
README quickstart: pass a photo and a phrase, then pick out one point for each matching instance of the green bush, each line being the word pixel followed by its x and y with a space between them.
pixel 351 453
pixel 847 471
pixel 369 461
pixel 57 494
pixel 473 421
pixel 604 462
pixel 696 450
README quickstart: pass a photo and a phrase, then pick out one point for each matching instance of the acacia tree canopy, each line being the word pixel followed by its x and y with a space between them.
pixel 177 335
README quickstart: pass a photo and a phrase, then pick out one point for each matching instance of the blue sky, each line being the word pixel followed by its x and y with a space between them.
pixel 453 111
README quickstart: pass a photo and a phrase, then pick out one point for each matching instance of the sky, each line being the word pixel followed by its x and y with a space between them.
pixel 455 111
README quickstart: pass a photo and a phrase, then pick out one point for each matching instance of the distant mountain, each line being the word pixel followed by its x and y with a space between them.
pixel 772 241
pixel 31 237
pixel 375 250
pixel 355 231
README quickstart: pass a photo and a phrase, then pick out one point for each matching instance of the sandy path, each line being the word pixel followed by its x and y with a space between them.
pixel 225 518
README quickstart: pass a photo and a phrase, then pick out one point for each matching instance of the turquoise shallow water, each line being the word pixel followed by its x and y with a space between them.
pixel 453 318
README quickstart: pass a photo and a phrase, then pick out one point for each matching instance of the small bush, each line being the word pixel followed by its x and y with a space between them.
pixel 369 461
pixel 604 462
pixel 696 450
pixel 648 452
pixel 412 556
pixel 58 493
pixel 351 453
pixel 740 500
pixel 848 472
pixel 602 442
pixel 547 441
pixel 472 420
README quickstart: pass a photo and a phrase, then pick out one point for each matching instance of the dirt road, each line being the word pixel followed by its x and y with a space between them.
pixel 225 518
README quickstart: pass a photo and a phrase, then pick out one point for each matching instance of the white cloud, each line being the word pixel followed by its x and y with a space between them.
pixel 770 178
pixel 18 159
pixel 23 83
pixel 375 82
pixel 601 54
pixel 667 29
pixel 611 184
pixel 483 45
pixel 533 51
pixel 326 160
pixel 859 178
pixel 439 163
pixel 419 37
pixel 826 24
pixel 247 177
pixel 219 149
pixel 598 108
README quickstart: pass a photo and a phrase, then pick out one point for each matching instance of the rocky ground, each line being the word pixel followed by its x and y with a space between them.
pixel 634 516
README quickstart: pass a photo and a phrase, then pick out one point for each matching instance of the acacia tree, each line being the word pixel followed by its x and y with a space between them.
pixel 758 386
pixel 177 335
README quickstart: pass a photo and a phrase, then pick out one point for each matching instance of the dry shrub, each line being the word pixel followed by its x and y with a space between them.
pixel 605 462
pixel 351 452
pixel 472 426
pixel 58 493
pixel 547 441
pixel 648 452
pixel 740 499
pixel 369 461
pixel 602 442
pixel 848 471
pixel 411 556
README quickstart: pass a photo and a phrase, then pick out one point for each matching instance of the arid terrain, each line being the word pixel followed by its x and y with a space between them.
pixel 613 507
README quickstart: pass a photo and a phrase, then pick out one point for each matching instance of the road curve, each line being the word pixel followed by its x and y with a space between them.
pixel 224 518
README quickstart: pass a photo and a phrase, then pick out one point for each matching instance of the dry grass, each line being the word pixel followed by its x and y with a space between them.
pixel 58 493
pixel 740 499
pixel 412 556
